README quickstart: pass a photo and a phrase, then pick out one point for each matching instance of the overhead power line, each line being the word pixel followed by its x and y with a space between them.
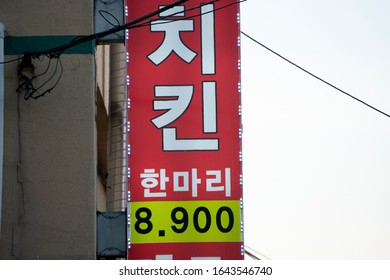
pixel 255 254
pixel 84 39
pixel 31 91
pixel 10 61
pixel 315 76
pixel 27 87
pixel 139 22
pixel 56 51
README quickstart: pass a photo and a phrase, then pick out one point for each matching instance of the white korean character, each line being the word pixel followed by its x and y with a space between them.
pixel 150 181
pixel 211 183
pixel 176 108
pixel 181 181
pixel 172 39
pixel 207 37
pixel 173 42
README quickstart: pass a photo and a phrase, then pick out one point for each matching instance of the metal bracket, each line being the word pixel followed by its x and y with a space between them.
pixel 111 235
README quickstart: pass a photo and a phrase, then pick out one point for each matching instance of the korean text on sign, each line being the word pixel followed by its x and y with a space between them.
pixel 185 130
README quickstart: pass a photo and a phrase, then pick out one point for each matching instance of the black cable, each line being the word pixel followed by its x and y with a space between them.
pixel 83 39
pixel 132 24
pixel 57 51
pixel 13 48
pixel 31 95
pixel 189 17
pixel 315 76
pixel 102 12
pixel 28 88
pixel 149 23
pixel 108 2
pixel 252 255
pixel 12 60
pixel 43 73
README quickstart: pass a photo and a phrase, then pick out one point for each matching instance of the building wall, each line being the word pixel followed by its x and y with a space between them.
pixel 45 17
pixel 50 158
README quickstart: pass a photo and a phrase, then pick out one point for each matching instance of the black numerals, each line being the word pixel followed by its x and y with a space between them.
pixel 179 216
pixel 143 224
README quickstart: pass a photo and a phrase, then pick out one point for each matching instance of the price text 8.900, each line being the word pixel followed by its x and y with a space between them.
pixel 201 219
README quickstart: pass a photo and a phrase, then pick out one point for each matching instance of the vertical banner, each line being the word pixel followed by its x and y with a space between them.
pixel 185 171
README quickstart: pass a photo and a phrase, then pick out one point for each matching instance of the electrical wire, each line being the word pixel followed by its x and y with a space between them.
pixel 38 95
pixel 254 254
pixel 13 48
pixel 149 23
pixel 108 2
pixel 102 12
pixel 55 53
pixel 10 61
pixel 83 39
pixel 315 76
pixel 130 25
pixel 27 88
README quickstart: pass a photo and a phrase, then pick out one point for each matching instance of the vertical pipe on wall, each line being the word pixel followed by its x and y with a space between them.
pixel 117 163
pixel 1 113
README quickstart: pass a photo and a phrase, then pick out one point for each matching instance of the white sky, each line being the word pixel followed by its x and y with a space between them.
pixel 316 162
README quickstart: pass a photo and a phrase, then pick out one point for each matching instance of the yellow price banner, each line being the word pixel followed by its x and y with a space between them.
pixel 185 221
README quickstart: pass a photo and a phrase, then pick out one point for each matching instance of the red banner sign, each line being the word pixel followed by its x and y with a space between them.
pixel 184 136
